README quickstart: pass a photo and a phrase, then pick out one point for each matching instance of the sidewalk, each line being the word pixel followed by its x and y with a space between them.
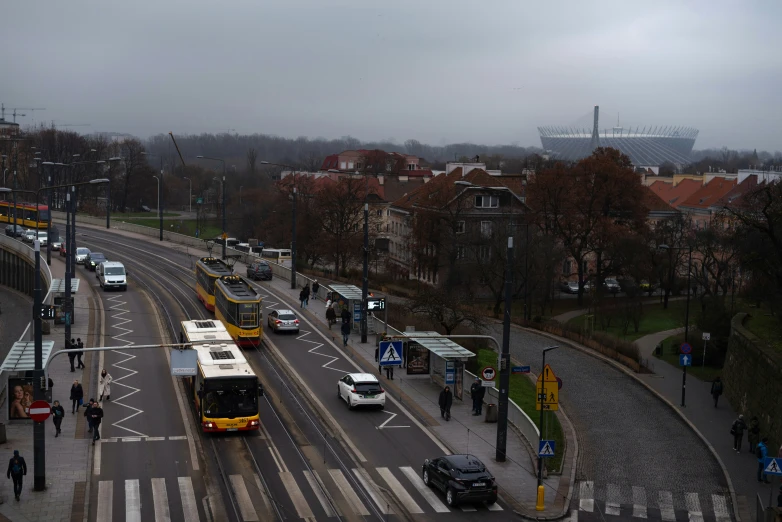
pixel 713 423
pixel 67 456
pixel 567 316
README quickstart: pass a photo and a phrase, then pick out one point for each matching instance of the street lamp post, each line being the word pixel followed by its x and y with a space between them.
pixel 540 505
pixel 293 224
pixel 160 215
pixel 190 194
pixel 225 237
pixel 159 192
pixel 108 192
pixel 365 282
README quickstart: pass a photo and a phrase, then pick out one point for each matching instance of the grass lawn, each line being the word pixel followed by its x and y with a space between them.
pixel 766 326
pixel 184 226
pixel 706 374
pixel 655 318
pixel 522 392
pixel 142 214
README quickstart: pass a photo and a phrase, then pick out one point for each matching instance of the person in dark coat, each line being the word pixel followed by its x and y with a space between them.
pixel 97 416
pixel 753 434
pixel 303 299
pixel 71 355
pixel 58 412
pixel 345 315
pixel 477 391
pixel 315 288
pixel 737 430
pixel 306 291
pixel 17 469
pixel 79 355
pixel 88 414
pixel 446 399
pixel 716 389
pixel 77 395
pixel 331 316
pixel 345 333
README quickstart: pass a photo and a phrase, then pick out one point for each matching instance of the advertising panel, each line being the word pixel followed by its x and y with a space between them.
pixel 20 398
pixel 417 359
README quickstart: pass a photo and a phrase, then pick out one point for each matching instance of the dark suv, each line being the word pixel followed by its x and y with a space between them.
pixel 463 478
pixel 259 270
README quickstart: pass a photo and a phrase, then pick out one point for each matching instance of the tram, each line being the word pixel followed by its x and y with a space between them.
pixel 28 215
pixel 225 389
pixel 238 307
pixel 208 269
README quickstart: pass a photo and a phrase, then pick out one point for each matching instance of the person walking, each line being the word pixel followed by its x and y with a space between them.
pixel 303 299
pixel 390 372
pixel 761 452
pixel 97 415
pixel 737 430
pixel 753 434
pixel 716 389
pixel 446 399
pixel 306 295
pixel 315 288
pixel 345 315
pixel 345 333
pixel 58 412
pixel 77 395
pixel 79 354
pixel 104 385
pixel 71 355
pixel 331 316
pixel 17 469
pixel 88 414
pixel 477 391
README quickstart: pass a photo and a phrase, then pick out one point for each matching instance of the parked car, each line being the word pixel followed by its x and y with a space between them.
pixel 463 478
pixel 93 260
pixel 81 255
pixel 361 389
pixel 259 270
pixel 145 208
pixel 282 320
pixel 569 287
pixel 14 231
pixel 611 285
pixel 646 286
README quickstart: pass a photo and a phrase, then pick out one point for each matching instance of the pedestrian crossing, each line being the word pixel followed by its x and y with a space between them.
pixel 637 502
pixel 313 495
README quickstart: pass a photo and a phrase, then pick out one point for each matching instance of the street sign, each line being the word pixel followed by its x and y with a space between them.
pixel 390 353
pixel 47 312
pixel 520 369
pixel 224 236
pixel 685 348
pixel 40 411
pixel 546 448
pixel 488 374
pixel 184 363
pixel 376 303
pixel 706 336
pixel 685 360
pixel 199 201
pixel 772 466
pixel 559 383
pixel 450 372
pixel 547 390
pixel 356 312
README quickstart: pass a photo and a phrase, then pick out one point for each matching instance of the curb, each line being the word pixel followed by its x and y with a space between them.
pixel 654 392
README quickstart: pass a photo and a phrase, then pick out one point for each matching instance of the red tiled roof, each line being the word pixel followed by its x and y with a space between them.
pixel 675 195
pixel 710 193
pixel 736 195
pixel 420 173
pixel 330 162
pixel 654 203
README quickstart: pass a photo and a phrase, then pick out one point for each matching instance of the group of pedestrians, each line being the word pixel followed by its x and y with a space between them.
pixel 93 411
pixel 306 293
pixel 75 356
pixel 758 445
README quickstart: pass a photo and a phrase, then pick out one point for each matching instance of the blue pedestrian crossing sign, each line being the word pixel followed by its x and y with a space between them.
pixel 546 448
pixel 390 353
pixel 685 360
pixel 772 466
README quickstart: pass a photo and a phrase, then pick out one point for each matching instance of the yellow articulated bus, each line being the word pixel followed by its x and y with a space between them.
pixel 28 215
pixel 208 269
pixel 238 306
pixel 225 390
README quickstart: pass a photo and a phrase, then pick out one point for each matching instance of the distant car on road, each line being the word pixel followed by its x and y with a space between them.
pixel 14 231
pixel 361 389
pixel 81 255
pixel 282 320
pixel 259 270
pixel 463 479
pixel 569 287
pixel 611 285
pixel 145 208
pixel 29 236
pixel 93 260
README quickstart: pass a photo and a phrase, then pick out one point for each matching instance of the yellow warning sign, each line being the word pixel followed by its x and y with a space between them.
pixel 225 235
pixel 547 390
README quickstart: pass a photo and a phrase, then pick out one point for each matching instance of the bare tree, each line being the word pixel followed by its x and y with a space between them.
pixel 440 307
pixel 252 157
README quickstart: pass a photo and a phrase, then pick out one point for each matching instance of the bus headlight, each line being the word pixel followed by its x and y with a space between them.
pixel 254 422
pixel 209 425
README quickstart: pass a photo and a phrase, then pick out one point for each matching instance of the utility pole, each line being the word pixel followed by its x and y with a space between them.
pixel 293 242
pixel 502 401
pixel 39 384
pixel 365 284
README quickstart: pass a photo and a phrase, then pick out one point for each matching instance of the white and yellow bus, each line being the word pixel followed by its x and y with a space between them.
pixel 281 256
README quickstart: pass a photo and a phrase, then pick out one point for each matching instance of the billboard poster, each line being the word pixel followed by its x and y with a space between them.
pixel 20 398
pixel 417 359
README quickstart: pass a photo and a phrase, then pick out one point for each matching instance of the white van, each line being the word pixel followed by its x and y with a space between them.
pixel 112 274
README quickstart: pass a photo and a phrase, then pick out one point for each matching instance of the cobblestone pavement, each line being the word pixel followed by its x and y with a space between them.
pixel 627 436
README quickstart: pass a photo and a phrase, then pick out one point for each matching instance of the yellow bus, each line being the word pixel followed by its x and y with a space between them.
pixel 28 215
pixel 238 306
pixel 207 270
pixel 225 390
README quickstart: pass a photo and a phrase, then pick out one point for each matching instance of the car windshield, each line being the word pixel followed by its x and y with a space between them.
pixel 368 387
pixel 82 251
pixel 115 270
pixel 97 257
pixel 611 282
pixel 287 317
pixel 231 397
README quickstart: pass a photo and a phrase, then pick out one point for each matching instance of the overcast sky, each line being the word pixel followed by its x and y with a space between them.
pixel 439 71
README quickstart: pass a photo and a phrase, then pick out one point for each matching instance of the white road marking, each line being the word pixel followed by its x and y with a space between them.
pixel 326 492
pixel 324 503
pixel 586 496
pixel 370 487
pixel 131 439
pixel 721 512
pixel 573 515
pixel 264 492
pixel 393 415
pixel 613 500
pixel 299 502
pixel 160 500
pixel 96 460
pixel 314 351
pixel 347 491
pixel 155 438
pixel 186 493
pixel 178 437
pixel 497 507
pixel 399 491
pixel 693 507
pixel 424 490
pixel 132 501
pixel 243 499
pixel 639 502
pixel 667 512
pixel 105 500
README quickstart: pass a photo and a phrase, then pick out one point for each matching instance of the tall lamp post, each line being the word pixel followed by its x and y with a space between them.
pixel 108 192
pixel 190 194
pixel 225 238
pixel 159 192
pixel 293 224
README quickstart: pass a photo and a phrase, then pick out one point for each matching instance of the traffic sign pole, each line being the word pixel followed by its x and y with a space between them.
pixel 540 505
pixel 39 384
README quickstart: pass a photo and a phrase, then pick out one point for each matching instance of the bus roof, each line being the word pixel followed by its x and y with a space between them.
pixel 236 288
pixel 25 205
pixel 214 267
pixel 205 331
pixel 222 360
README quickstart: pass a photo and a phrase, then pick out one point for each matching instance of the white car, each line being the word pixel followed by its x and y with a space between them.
pixel 28 236
pixel 361 389
pixel 43 238
pixel 282 320
pixel 81 255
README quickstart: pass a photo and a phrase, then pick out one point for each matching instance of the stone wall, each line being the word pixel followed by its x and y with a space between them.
pixel 753 381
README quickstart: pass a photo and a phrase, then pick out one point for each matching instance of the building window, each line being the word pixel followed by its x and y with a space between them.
pixel 342 166
pixel 358 166
pixel 484 252
pixel 380 212
pixel 486 228
pixel 350 165
pixel 461 253
pixel 487 201
pixel 460 227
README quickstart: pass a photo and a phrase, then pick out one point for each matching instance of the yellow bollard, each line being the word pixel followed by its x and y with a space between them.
pixel 540 506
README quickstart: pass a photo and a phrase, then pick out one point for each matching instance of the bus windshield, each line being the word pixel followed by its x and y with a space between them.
pixel 248 315
pixel 43 215
pixel 230 397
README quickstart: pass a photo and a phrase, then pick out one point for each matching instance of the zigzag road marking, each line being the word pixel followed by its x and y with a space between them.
pixel 318 346
pixel 118 303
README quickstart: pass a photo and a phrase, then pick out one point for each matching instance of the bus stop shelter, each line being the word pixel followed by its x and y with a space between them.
pixel 349 296
pixel 439 357
pixel 58 299
pixel 17 370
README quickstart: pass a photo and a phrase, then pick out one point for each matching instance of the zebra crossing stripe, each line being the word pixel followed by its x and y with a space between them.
pixel 693 507
pixel 186 493
pixel 399 491
pixel 468 508
pixel 132 501
pixel 324 503
pixel 613 500
pixel 666 506
pixel 639 502
pixel 105 498
pixel 494 507
pixel 371 488
pixel 720 508
pixel 299 502
pixel 424 490
pixel 586 496
pixel 243 499
pixel 347 492
pixel 160 500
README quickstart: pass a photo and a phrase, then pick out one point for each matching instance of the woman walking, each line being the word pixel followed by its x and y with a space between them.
pixel 77 394
pixel 446 399
pixel 104 385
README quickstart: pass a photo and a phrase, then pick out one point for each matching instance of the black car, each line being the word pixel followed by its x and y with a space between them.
pixel 463 478
pixel 259 270
pixel 93 260
pixel 14 231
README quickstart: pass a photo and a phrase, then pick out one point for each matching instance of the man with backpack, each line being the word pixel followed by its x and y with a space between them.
pixel 716 390
pixel 17 469
pixel 737 430
pixel 761 452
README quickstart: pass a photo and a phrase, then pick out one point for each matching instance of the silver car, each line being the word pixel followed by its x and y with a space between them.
pixel 282 320
pixel 28 236
pixel 81 255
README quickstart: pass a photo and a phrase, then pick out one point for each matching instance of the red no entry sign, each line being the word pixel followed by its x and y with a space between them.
pixel 40 411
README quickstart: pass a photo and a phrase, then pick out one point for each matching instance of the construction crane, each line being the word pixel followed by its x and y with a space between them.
pixel 32 110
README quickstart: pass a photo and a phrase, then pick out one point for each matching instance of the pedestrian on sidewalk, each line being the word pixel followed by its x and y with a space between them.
pixel 753 434
pixel 104 385
pixel 446 399
pixel 97 415
pixel 306 295
pixel 88 414
pixel 303 299
pixel 79 354
pixel 761 452
pixel 477 391
pixel 315 288
pixel 71 355
pixel 331 316
pixel 77 395
pixel 345 333
pixel 390 372
pixel 17 469
pixel 737 430
pixel 58 412
pixel 716 389
pixel 345 315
